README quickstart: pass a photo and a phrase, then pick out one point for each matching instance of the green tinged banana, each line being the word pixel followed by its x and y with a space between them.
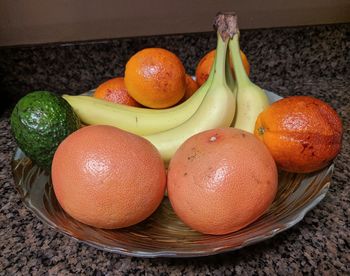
pixel 251 99
pixel 218 106
pixel 231 83
pixel 141 121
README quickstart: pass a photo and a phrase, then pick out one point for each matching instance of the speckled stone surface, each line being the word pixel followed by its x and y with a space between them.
pixel 290 61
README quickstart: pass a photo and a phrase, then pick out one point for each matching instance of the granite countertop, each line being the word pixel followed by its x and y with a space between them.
pixel 312 60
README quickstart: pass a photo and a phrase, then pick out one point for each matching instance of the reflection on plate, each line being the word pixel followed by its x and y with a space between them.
pixel 163 234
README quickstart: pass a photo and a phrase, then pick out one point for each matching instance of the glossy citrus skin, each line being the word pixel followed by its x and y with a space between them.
pixel 155 78
pixel 205 64
pixel 114 90
pixel 303 133
pixel 108 178
pixel 221 180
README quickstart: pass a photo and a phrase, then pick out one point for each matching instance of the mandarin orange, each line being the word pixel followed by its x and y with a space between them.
pixel 114 90
pixel 191 88
pixel 204 66
pixel 155 77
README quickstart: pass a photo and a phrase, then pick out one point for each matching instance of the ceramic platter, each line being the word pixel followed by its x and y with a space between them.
pixel 163 234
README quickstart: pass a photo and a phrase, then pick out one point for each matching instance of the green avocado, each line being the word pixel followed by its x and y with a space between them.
pixel 40 121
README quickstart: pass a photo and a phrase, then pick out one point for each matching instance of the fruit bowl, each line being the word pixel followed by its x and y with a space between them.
pixel 163 234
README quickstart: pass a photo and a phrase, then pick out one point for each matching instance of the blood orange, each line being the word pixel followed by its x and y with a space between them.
pixel 303 134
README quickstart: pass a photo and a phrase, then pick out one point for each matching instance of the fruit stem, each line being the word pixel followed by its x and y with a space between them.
pixel 242 78
pixel 225 24
pixel 211 73
pixel 231 83
pixel 220 61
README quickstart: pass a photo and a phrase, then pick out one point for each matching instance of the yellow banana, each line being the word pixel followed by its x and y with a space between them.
pixel 251 99
pixel 137 120
pixel 216 110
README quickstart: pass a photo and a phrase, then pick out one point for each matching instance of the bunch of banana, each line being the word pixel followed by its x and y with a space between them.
pixel 212 106
pixel 137 120
pixel 218 106
pixel 251 99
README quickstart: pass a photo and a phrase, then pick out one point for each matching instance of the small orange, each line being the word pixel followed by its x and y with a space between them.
pixel 114 90
pixel 221 180
pixel 191 88
pixel 303 134
pixel 155 77
pixel 108 178
pixel 205 64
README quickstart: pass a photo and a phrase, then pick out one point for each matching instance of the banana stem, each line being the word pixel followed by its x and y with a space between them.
pixel 225 24
pixel 229 78
pixel 226 27
pixel 211 73
pixel 242 78
pixel 219 66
